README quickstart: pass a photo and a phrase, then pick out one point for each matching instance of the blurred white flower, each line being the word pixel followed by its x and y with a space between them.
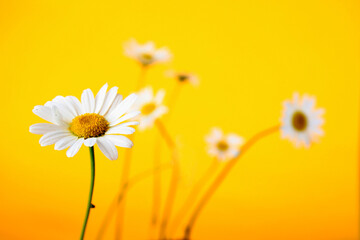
pixel 150 105
pixel 146 54
pixel 183 77
pixel 221 146
pixel 301 122
pixel 93 120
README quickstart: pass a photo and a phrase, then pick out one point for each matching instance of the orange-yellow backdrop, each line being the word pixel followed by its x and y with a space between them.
pixel 250 55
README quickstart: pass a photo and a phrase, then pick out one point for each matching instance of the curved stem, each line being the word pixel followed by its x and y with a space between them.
pixel 157 160
pixel 220 178
pixel 90 205
pixel 141 79
pixel 196 190
pixel 155 211
pixel 124 180
pixel 174 179
pixel 120 196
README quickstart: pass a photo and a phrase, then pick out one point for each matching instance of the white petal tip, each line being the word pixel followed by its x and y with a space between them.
pixel 90 142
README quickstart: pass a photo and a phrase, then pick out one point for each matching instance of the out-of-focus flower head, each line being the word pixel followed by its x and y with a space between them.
pixel 183 77
pixel 98 120
pixel 223 147
pixel 150 105
pixel 146 54
pixel 300 121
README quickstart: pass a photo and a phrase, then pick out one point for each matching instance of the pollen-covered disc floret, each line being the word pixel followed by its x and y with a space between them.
pixel 100 120
pixel 221 146
pixel 146 54
pixel 301 122
pixel 89 125
pixel 150 105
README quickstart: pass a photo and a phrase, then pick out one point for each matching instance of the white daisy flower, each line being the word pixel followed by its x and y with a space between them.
pixel 183 77
pixel 301 122
pixel 93 120
pixel 146 53
pixel 221 146
pixel 150 105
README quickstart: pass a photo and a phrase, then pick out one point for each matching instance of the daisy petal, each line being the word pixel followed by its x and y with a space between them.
pixel 65 142
pixel 109 99
pixel 125 117
pixel 74 148
pixel 57 117
pixel 123 107
pixel 113 106
pixel 52 137
pixel 120 130
pixel 88 101
pixel 43 112
pixel 100 98
pixel 90 142
pixel 67 112
pixel 125 124
pixel 75 104
pixel 234 139
pixel 162 55
pixel 43 128
pixel 120 141
pixel 107 148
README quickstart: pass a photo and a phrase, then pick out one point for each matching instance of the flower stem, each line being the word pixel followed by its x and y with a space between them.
pixel 90 205
pixel 220 178
pixel 155 211
pixel 121 204
pixel 141 79
pixel 174 179
pixel 120 196
pixel 196 190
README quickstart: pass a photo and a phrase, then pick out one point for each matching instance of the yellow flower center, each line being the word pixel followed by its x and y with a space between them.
pixel 299 121
pixel 183 77
pixel 222 146
pixel 147 56
pixel 89 125
pixel 148 108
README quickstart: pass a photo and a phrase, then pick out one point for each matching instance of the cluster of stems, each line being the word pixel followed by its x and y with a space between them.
pixel 118 204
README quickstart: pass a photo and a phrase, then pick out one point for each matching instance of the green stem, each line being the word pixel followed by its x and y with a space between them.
pixel 90 205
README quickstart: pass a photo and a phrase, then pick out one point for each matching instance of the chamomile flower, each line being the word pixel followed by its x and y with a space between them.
pixel 221 146
pixel 146 54
pixel 183 77
pixel 150 105
pixel 99 119
pixel 301 122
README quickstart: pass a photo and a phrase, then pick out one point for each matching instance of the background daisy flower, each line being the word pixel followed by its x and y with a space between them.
pixel 301 122
pixel 221 146
pixel 146 54
pixel 150 105
pixel 183 77
pixel 94 120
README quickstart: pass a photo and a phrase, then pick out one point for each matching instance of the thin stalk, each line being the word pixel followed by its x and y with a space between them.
pixel 155 212
pixel 141 79
pixel 121 206
pixel 174 179
pixel 120 196
pixel 220 178
pixel 196 190
pixel 90 205
pixel 157 160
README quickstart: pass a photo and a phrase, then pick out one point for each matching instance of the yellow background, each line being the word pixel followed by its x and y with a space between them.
pixel 250 56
